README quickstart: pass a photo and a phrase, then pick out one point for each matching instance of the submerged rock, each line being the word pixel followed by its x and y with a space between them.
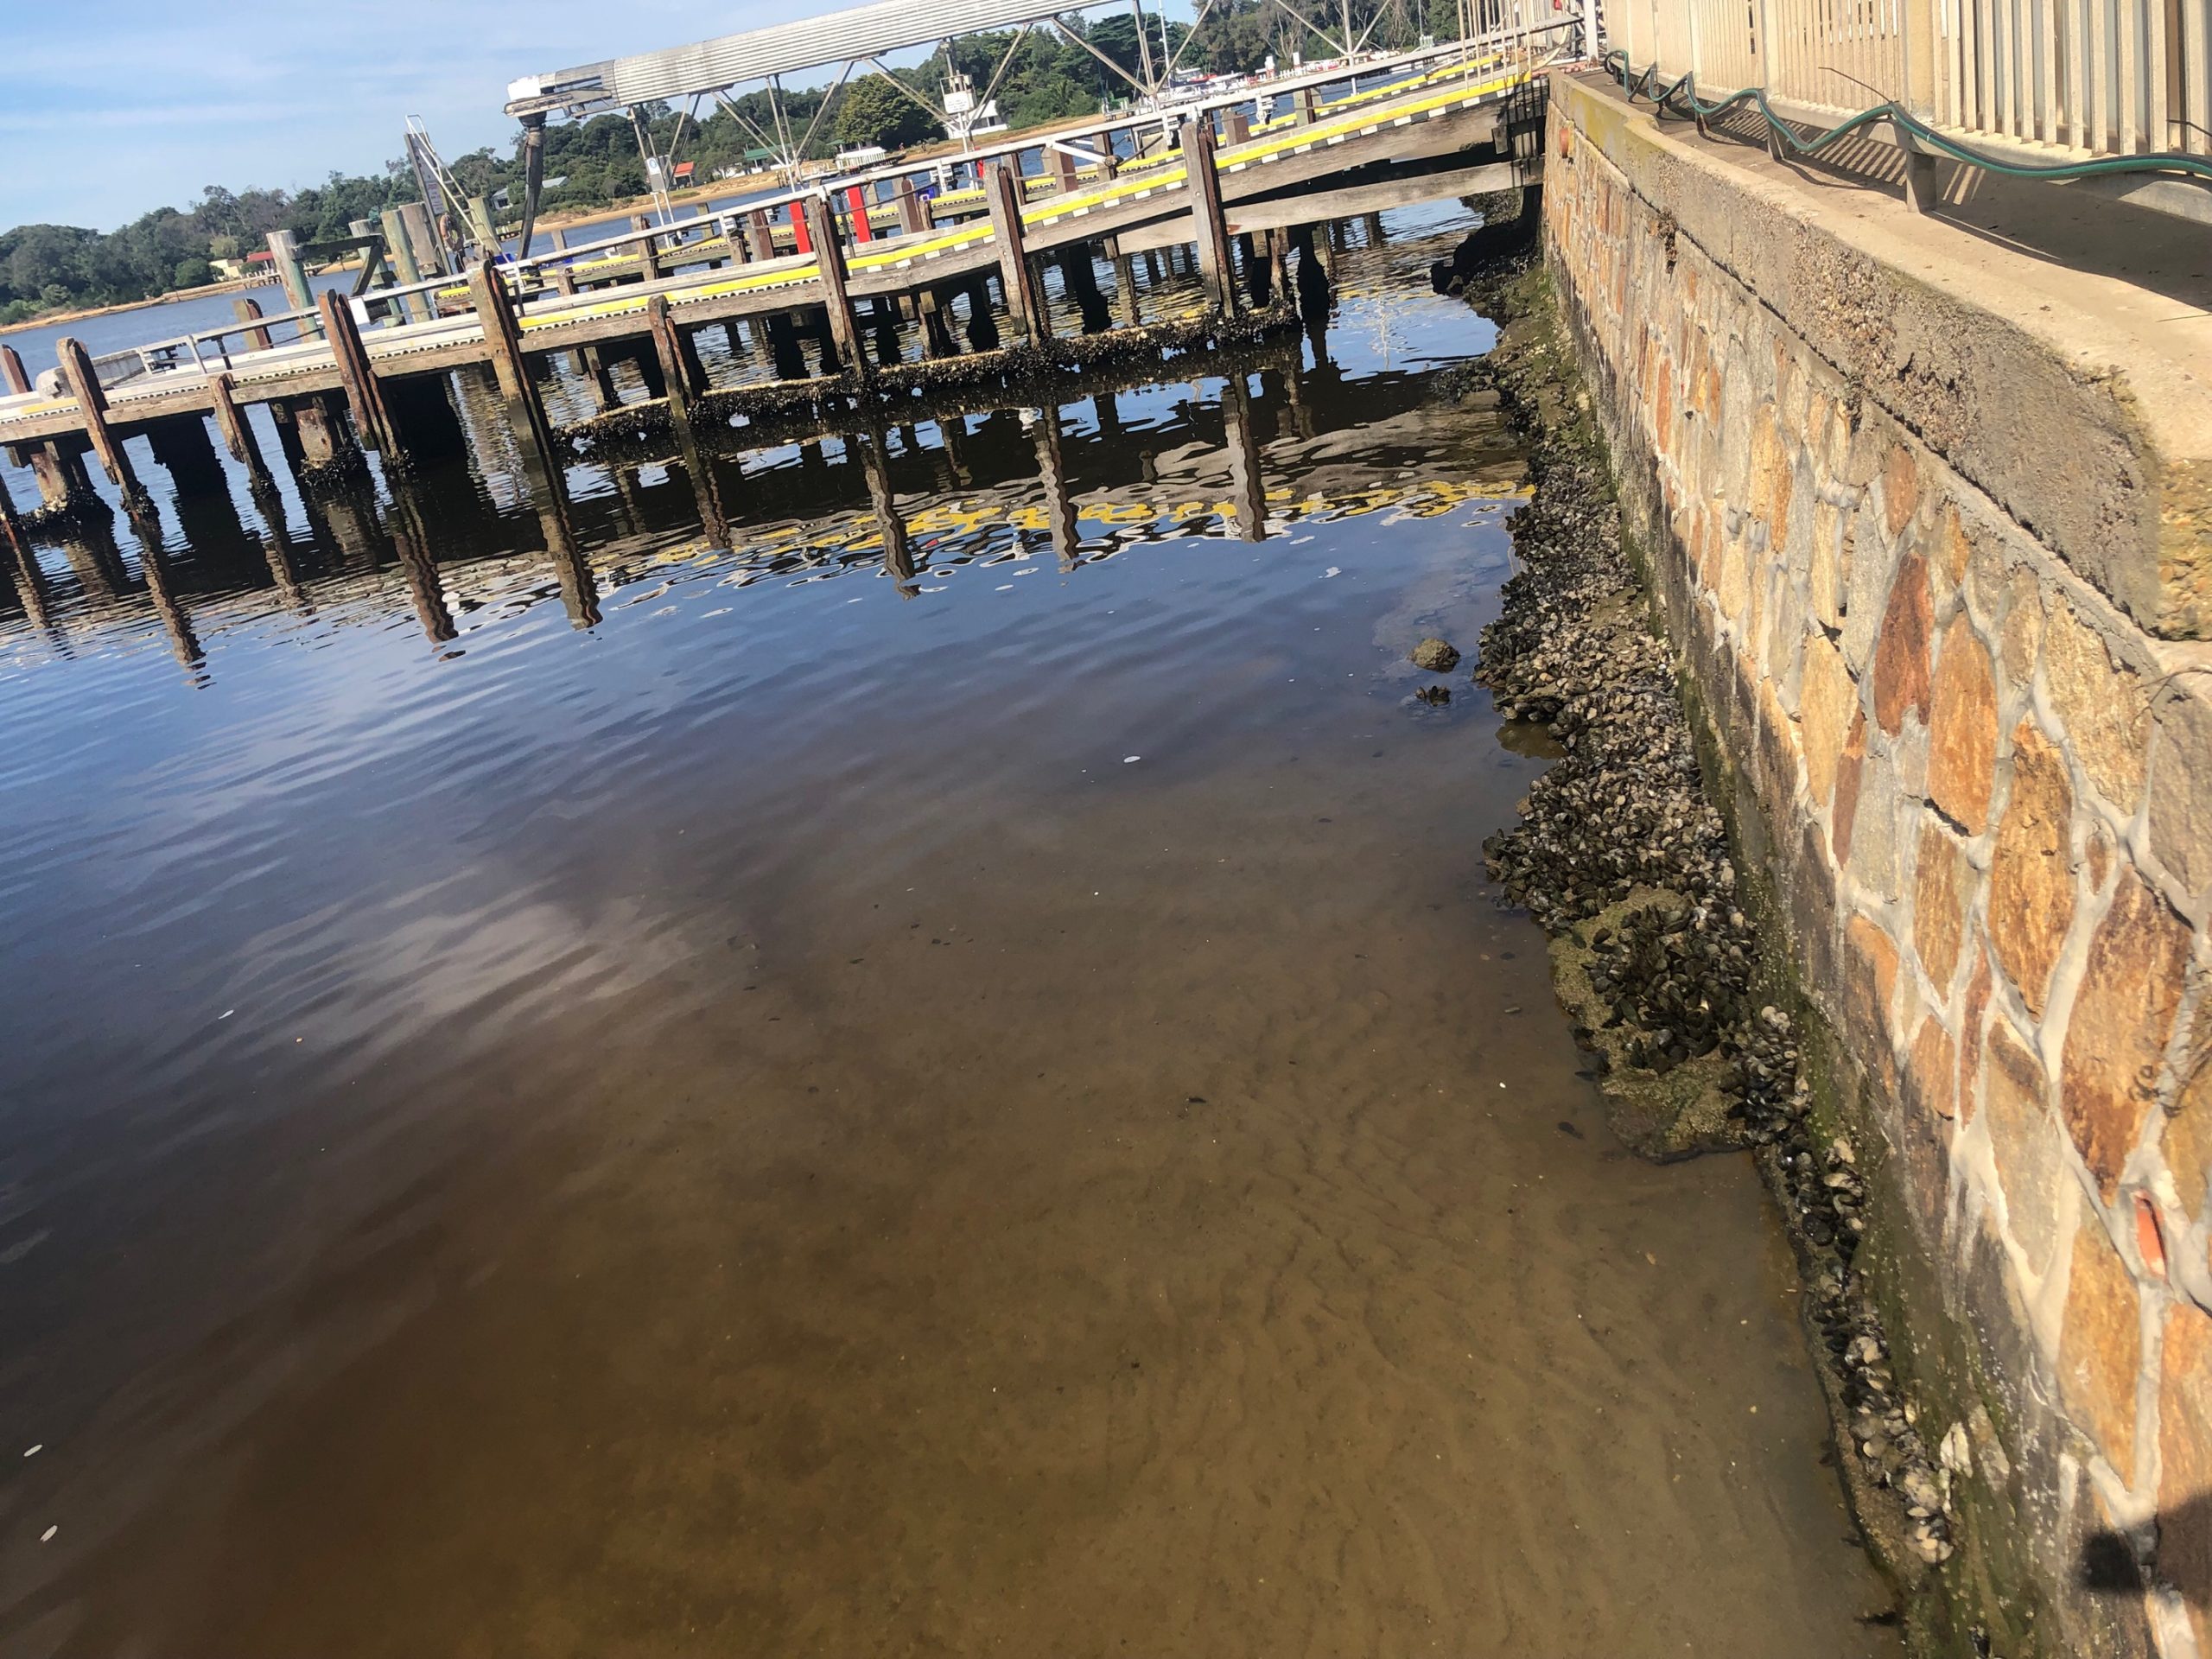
pixel 1437 656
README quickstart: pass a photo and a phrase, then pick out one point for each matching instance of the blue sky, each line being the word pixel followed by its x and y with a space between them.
pixel 110 110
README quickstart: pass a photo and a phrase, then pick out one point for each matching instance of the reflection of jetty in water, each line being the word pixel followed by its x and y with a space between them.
pixel 1259 444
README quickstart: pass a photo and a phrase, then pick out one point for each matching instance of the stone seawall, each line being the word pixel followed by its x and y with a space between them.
pixel 1934 580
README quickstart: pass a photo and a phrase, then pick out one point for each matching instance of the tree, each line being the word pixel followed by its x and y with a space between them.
pixel 194 273
pixel 875 111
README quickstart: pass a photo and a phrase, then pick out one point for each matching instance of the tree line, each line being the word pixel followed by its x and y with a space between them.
pixel 1050 78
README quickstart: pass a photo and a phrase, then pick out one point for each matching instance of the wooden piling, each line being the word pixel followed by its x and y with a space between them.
pixel 422 238
pixel 238 436
pixel 284 251
pixel 11 527
pixel 760 236
pixel 503 344
pixel 63 487
pixel 1025 301
pixel 11 366
pixel 180 445
pixel 675 371
pixel 364 397
pixel 420 308
pixel 246 310
pixel 915 212
pixel 830 259
pixel 321 436
pixel 91 404
pixel 1206 216
pixel 648 250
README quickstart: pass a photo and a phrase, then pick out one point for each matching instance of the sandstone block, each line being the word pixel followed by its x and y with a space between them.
pixel 2020 640
pixel 1941 889
pixel 2031 1152
pixel 1901 675
pixel 2184 1558
pixel 1900 488
pixel 2100 1347
pixel 2103 704
pixel 1869 975
pixel 1962 728
pixel 2116 1037
pixel 2181 789
pixel 1932 1069
pixel 2030 887
pixel 1850 766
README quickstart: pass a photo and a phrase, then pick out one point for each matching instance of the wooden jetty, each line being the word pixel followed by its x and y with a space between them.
pixel 867 253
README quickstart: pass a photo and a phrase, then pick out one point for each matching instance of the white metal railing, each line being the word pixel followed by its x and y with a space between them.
pixel 2099 76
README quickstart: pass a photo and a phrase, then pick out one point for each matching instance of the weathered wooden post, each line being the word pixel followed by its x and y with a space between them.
pixel 1064 170
pixel 759 237
pixel 648 250
pixel 238 436
pixel 1207 220
pixel 11 373
pixel 91 404
pixel 830 259
pixel 1125 280
pixel 503 343
pixel 364 397
pixel 422 236
pixel 420 308
pixel 915 213
pixel 937 333
pixel 1025 301
pixel 249 310
pixel 674 371
pixel 180 444
pixel 299 295
pixel 11 529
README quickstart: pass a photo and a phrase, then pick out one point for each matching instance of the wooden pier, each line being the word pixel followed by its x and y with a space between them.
pixel 873 253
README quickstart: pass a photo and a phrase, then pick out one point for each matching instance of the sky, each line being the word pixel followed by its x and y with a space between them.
pixel 114 107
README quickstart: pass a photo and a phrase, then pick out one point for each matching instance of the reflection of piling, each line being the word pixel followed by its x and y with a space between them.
pixel 1246 485
pixel 1059 502
pixel 898 550
pixel 579 588
pixel 167 604
pixel 411 541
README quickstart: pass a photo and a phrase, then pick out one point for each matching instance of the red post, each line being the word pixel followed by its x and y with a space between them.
pixel 856 197
pixel 798 229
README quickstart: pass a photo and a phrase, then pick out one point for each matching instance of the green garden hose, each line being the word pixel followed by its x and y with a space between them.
pixel 1680 98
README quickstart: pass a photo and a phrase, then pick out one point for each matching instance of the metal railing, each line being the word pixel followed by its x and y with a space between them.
pixel 2091 76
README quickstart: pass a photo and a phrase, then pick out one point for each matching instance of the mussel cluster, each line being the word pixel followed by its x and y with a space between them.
pixel 1622 817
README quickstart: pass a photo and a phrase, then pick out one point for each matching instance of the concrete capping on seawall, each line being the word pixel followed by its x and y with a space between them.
pixel 1930 554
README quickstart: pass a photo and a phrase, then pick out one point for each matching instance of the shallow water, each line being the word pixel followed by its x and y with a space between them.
pixel 961 1095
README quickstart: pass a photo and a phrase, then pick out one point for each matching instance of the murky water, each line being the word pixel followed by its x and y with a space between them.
pixel 963 1093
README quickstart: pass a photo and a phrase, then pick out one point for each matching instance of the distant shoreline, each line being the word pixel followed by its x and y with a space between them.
pixel 47 319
